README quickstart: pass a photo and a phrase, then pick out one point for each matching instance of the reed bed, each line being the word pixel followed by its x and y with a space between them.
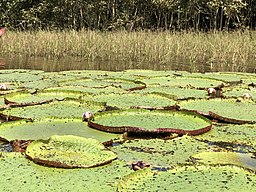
pixel 223 49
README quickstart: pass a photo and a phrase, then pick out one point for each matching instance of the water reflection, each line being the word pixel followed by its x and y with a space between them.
pixel 23 62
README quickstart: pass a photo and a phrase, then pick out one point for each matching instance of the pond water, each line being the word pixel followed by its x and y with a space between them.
pixel 64 64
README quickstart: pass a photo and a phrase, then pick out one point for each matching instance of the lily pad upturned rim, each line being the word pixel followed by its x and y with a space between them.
pixel 139 130
pixel 229 120
pixel 215 114
pixel 59 164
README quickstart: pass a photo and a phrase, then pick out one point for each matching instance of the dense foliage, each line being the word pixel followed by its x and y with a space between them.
pixel 128 14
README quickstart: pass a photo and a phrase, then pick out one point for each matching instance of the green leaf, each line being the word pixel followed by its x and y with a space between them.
pixel 178 93
pixel 27 97
pixel 200 178
pixel 45 128
pixel 127 100
pixel 67 108
pixel 157 121
pixel 160 153
pixel 227 158
pixel 21 174
pixel 235 135
pixel 228 108
pixel 182 82
pixel 69 152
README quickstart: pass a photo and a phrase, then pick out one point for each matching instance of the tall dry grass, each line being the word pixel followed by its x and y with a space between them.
pixel 223 49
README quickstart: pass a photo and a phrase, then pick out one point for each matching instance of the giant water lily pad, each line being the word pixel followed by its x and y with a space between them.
pixel 238 91
pixel 226 77
pixel 89 90
pixel 160 153
pixel 249 80
pixel 19 77
pixel 157 121
pixel 229 109
pixel 182 82
pixel 201 178
pixel 45 128
pixel 127 100
pixel 92 74
pixel 240 137
pixel 102 83
pixel 21 174
pixel 69 152
pixel 67 108
pixel 140 73
pixel 227 158
pixel 39 84
pixel 27 97
pixel 177 92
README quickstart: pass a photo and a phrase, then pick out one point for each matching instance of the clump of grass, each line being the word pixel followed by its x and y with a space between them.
pixel 235 50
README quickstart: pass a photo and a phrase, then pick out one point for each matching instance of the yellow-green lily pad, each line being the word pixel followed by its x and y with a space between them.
pixel 69 152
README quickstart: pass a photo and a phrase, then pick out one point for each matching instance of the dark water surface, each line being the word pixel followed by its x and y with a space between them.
pixel 64 64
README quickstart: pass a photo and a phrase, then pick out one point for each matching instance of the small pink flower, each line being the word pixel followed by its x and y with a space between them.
pixel 87 116
pixel 211 91
pixel 247 96
pixel 3 86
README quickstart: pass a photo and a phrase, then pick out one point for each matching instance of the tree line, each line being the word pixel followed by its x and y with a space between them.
pixel 108 15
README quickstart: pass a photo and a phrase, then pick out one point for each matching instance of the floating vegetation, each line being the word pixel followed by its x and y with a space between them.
pixel 227 158
pixel 182 82
pixel 127 100
pixel 173 134
pixel 43 129
pixel 175 92
pixel 160 153
pixel 25 175
pixel 69 152
pixel 200 178
pixel 155 121
pixel 68 108
pixel 229 110
pixel 37 96
pixel 240 138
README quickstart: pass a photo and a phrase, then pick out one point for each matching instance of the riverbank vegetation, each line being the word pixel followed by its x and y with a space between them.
pixel 201 32
pixel 236 49
pixel 109 15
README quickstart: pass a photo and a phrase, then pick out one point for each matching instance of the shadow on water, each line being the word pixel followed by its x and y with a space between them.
pixel 70 63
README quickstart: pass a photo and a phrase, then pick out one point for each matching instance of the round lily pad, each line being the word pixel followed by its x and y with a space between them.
pixel 226 77
pixel 69 152
pixel 20 174
pixel 19 77
pixel 238 91
pixel 102 83
pixel 147 73
pixel 127 100
pixel 63 109
pixel 39 84
pixel 45 128
pixel 26 97
pixel 227 158
pixel 230 110
pixel 157 121
pixel 160 153
pixel 240 137
pixel 183 82
pixel 200 178
pixel 177 92
pixel 90 90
